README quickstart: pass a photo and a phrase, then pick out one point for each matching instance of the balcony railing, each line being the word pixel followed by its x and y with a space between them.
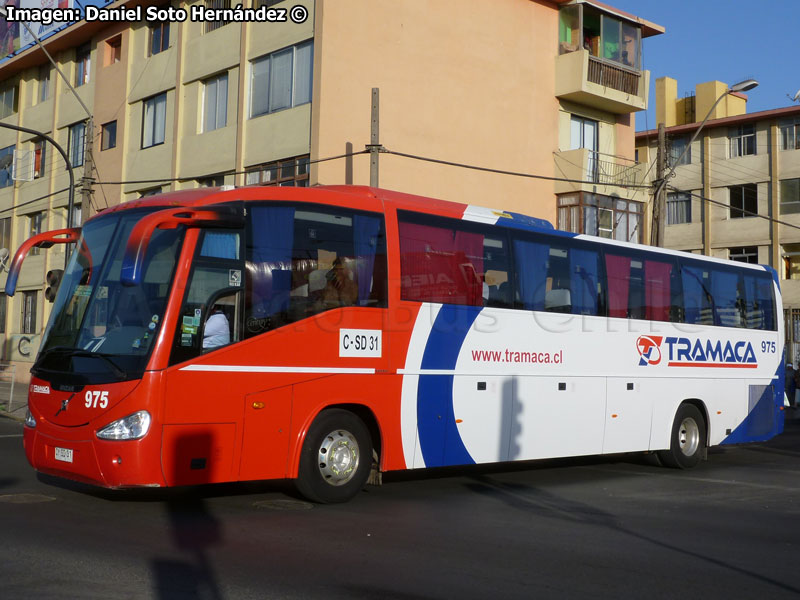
pixel 606 169
pixel 617 78
pixel 592 171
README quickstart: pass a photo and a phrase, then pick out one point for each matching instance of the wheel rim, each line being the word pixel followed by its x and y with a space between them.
pixel 689 437
pixel 338 457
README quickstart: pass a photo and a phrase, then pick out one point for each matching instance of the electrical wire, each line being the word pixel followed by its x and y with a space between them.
pixel 741 210
pixel 228 172
pixel 12 208
pixel 505 172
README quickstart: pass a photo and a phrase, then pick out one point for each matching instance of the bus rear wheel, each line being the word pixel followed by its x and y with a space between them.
pixel 335 459
pixel 687 441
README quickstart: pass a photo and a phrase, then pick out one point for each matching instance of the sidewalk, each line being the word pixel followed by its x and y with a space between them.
pixel 19 404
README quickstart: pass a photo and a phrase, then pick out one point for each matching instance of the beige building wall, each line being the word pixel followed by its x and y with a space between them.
pixel 457 82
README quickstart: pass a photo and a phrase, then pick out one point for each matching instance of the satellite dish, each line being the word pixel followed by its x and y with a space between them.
pixel 3 259
pixel 796 96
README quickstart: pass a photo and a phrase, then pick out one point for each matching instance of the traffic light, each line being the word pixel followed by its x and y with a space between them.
pixel 53 280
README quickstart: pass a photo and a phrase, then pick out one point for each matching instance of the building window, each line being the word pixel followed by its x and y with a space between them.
pixel 8 100
pixel 603 216
pixel 108 136
pixel 215 102
pixel 154 121
pixel 603 35
pixel 743 140
pixel 5 234
pixel 281 80
pixel 6 163
pixel 159 37
pixel 29 302
pixel 216 4
pixel 77 143
pixel 113 50
pixel 790 134
pixel 39 158
pixel 791 261
pixel 743 200
pixel 83 59
pixel 745 254
pixel 267 3
pixel 679 208
pixel 288 172
pixel 676 148
pixel 790 196
pixel 35 227
pixel 44 83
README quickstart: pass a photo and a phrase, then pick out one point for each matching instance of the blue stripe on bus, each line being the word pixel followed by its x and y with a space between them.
pixel 765 419
pixel 439 439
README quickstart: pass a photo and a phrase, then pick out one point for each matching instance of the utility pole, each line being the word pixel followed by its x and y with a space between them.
pixel 660 191
pixel 88 166
pixel 374 147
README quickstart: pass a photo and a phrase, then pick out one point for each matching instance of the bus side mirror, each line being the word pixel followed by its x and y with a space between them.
pixel 43 240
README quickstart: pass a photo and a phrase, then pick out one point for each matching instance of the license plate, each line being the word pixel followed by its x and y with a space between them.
pixel 63 454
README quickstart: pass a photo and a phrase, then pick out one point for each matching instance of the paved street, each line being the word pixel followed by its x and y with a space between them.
pixel 588 528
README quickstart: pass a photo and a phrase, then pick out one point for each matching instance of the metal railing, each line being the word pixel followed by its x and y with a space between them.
pixel 607 169
pixel 616 78
pixel 7 379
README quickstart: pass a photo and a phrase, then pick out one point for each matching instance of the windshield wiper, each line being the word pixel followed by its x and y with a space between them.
pixel 81 353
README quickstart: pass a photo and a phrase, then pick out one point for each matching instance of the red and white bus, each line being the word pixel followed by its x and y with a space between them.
pixel 318 334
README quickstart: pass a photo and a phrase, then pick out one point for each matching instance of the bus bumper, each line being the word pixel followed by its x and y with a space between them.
pixel 96 462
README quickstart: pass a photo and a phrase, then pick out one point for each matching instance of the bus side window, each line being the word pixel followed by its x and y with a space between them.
pixel 697 300
pixel 305 259
pixel 557 277
pixel 442 261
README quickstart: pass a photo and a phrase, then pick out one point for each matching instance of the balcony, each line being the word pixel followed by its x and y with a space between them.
pixel 601 173
pixel 591 81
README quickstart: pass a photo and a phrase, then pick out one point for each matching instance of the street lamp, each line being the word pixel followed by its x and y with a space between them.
pixel 659 204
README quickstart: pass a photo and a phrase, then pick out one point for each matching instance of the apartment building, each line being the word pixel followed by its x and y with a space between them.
pixel 539 87
pixel 741 168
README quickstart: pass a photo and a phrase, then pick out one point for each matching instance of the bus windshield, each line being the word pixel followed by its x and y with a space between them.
pixel 101 331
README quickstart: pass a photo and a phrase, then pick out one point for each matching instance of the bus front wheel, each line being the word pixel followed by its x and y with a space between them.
pixel 687 441
pixel 335 459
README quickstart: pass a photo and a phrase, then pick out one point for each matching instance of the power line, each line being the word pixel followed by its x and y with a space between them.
pixel 228 172
pixel 741 210
pixel 11 208
pixel 512 173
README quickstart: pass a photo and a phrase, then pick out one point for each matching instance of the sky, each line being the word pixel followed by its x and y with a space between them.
pixel 724 40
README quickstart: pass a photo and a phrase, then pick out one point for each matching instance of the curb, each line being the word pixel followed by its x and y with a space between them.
pixel 12 417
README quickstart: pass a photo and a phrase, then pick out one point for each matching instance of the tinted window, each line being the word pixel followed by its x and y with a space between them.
pixel 306 259
pixel 719 295
pixel 641 287
pixel 556 276
pixel 453 262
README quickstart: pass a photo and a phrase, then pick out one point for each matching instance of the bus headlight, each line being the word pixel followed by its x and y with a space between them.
pixel 132 427
pixel 29 420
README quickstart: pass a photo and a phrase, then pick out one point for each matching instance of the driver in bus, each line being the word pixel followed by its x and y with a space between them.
pixel 217 331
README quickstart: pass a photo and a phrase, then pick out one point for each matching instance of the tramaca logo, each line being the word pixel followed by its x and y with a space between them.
pixel 649 347
pixel 685 352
